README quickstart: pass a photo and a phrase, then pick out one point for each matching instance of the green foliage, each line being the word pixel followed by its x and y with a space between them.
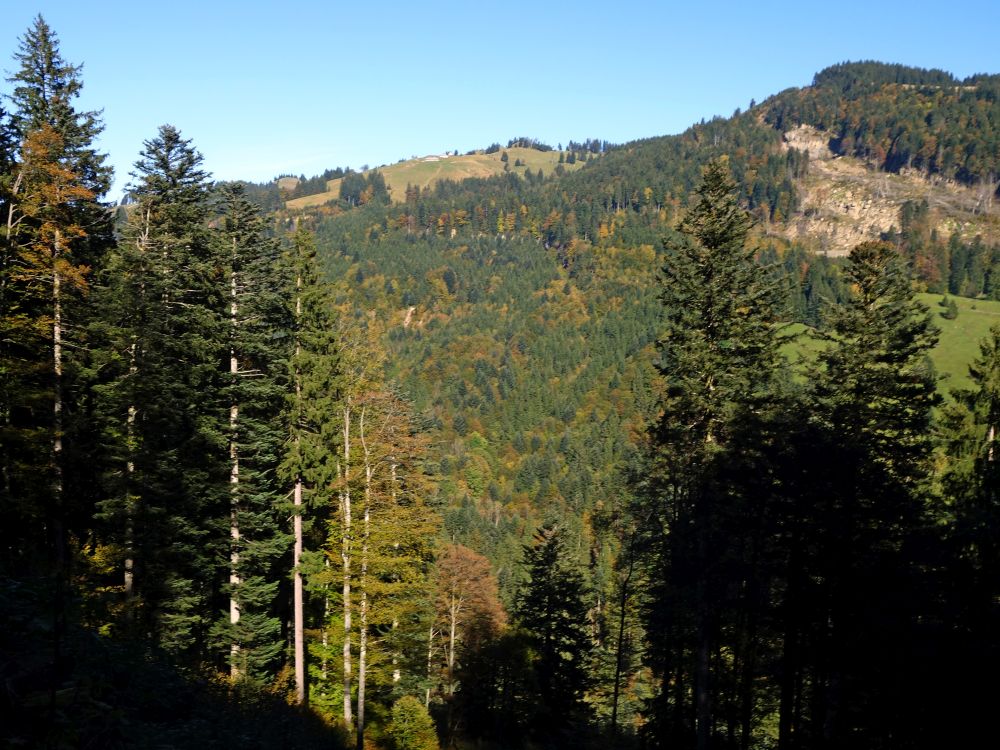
pixel 520 314
pixel 257 334
pixel 873 401
pixel 950 311
pixel 161 400
pixel 552 612
pixel 899 117
pixel 411 727
pixel 45 86
pixel 720 369
pixel 878 376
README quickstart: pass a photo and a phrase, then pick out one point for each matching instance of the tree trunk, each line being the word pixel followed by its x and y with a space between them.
pixel 362 645
pixel 57 401
pixel 297 603
pixel 345 558
pixel 702 692
pixel 363 603
pixel 131 498
pixel 430 662
pixel 234 486
pixel 298 615
pixel 619 649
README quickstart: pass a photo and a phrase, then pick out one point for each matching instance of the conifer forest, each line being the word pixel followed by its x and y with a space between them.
pixel 617 452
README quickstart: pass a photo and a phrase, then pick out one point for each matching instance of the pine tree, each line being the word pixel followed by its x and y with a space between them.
pixel 874 398
pixel 45 86
pixel 311 448
pixel 45 274
pixel 551 609
pixel 718 361
pixel 257 324
pixel 965 624
pixel 51 178
pixel 164 407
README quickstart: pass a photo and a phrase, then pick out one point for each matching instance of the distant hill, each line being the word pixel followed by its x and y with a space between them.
pixel 426 171
pixel 521 312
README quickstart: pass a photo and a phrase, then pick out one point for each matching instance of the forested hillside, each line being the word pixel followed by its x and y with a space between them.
pixel 519 460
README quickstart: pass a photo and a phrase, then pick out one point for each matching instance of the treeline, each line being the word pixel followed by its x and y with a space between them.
pixel 897 117
pixel 628 197
pixel 951 265
pixel 316 183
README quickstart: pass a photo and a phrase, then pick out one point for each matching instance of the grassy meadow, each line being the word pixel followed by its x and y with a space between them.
pixel 427 170
pixel 957 347
pixel 959 343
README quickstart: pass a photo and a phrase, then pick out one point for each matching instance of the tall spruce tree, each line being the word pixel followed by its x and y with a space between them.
pixel 874 396
pixel 163 401
pixel 52 180
pixel 257 324
pixel 309 465
pixel 718 363
pixel 966 622
pixel 45 86
pixel 552 611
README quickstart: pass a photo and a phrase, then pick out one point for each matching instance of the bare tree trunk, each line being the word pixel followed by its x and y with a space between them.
pixel 131 498
pixel 430 662
pixel 297 603
pixel 298 615
pixel 362 643
pixel 454 607
pixel 363 603
pixel 326 632
pixel 234 486
pixel 702 691
pixel 619 650
pixel 345 558
pixel 57 401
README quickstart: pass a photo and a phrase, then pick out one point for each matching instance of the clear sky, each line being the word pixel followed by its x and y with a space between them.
pixel 266 88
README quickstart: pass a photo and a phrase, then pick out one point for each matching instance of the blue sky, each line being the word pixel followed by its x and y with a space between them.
pixel 264 88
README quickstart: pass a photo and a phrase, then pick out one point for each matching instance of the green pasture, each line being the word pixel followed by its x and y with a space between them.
pixel 957 347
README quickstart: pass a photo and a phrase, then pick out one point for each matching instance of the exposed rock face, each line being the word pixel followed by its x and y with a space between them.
pixel 842 202
pixel 805 138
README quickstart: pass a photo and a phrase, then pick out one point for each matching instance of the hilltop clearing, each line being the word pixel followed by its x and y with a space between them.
pixel 425 171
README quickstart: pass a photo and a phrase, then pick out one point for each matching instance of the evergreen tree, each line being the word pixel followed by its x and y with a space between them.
pixel 51 178
pixel 45 86
pixel 165 412
pixel 874 399
pixel 258 324
pixel 965 624
pixel 310 454
pixel 551 610
pixel 718 361
pixel 43 275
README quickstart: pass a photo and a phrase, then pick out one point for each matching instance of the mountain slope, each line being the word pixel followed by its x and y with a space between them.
pixel 521 313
